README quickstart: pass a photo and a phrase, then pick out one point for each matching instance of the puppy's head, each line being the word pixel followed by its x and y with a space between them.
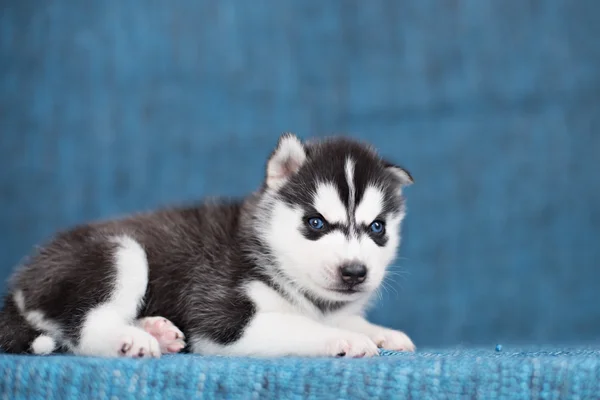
pixel 331 215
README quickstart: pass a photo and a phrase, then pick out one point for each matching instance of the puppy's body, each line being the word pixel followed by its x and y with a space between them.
pixel 286 271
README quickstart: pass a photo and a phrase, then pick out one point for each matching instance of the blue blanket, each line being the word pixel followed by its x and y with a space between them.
pixel 466 373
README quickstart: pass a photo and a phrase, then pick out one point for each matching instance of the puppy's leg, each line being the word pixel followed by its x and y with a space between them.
pixel 386 338
pixel 170 338
pixel 109 329
pixel 16 335
pixel 273 334
pixel 278 329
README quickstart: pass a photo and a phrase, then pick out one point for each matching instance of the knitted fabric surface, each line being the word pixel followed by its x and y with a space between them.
pixel 465 373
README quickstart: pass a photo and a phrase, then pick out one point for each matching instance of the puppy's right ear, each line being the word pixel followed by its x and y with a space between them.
pixel 286 160
pixel 404 177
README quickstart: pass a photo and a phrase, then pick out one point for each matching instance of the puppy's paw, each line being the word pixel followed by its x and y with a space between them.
pixel 352 345
pixel 169 337
pixel 392 340
pixel 137 343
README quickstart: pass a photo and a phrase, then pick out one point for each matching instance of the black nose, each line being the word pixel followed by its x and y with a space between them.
pixel 353 274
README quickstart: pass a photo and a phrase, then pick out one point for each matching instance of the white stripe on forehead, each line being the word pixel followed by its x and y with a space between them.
pixel 371 205
pixel 328 203
pixel 349 169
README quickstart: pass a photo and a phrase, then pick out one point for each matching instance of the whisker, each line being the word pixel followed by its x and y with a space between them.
pixel 402 274
pixel 390 281
pixel 378 294
pixel 396 266
pixel 392 287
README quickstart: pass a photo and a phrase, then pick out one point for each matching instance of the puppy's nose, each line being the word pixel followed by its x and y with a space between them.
pixel 353 274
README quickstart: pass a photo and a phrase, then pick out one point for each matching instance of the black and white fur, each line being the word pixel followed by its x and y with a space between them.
pixel 258 277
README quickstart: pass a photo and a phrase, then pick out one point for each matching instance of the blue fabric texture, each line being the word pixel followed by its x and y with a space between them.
pixel 473 374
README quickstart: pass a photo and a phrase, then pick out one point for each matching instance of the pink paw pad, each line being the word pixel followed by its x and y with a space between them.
pixel 169 337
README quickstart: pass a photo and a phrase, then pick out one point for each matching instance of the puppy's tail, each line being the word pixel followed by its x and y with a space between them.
pixel 16 335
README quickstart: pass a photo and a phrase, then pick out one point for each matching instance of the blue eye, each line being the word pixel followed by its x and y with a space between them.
pixel 316 223
pixel 377 227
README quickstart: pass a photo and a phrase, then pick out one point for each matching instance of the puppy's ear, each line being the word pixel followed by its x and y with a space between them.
pixel 402 174
pixel 285 161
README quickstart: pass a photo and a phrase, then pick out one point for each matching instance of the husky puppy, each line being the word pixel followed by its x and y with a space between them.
pixel 288 270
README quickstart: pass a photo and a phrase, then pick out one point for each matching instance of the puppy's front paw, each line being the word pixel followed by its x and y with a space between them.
pixel 392 340
pixel 169 337
pixel 349 344
pixel 136 343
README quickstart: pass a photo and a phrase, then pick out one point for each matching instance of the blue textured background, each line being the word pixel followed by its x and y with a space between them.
pixel 112 107
pixel 569 373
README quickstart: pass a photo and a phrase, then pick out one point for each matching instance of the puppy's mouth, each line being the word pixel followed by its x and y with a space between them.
pixel 347 291
pixel 340 289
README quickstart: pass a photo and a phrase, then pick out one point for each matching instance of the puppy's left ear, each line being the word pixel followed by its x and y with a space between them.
pixel 402 174
pixel 286 160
